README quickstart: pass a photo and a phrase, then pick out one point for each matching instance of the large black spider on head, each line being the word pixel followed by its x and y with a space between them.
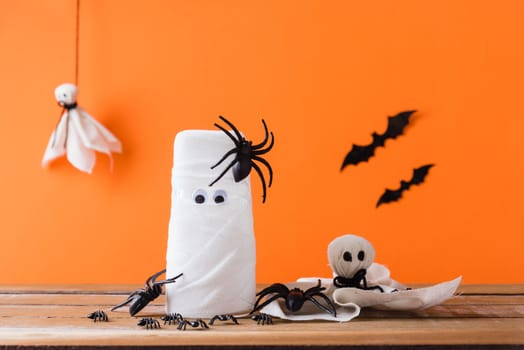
pixel 295 298
pixel 246 155
pixel 141 297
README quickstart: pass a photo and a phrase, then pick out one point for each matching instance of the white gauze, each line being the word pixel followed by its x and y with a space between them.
pixel 211 243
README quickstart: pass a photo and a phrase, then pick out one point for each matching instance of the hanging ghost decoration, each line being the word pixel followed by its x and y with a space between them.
pixel 77 134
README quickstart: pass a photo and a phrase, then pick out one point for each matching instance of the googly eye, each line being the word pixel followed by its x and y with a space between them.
pixel 347 256
pixel 199 196
pixel 361 255
pixel 220 196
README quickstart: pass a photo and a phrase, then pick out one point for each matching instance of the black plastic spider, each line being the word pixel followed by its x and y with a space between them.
pixel 223 318
pixel 196 323
pixel 98 315
pixel 295 298
pixel 141 297
pixel 172 318
pixel 245 156
pixel 149 323
pixel 357 281
pixel 262 318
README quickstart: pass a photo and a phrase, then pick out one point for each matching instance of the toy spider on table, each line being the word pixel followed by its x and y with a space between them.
pixel 98 315
pixel 173 318
pixel 195 324
pixel 149 323
pixel 141 297
pixel 223 318
pixel 245 156
pixel 295 298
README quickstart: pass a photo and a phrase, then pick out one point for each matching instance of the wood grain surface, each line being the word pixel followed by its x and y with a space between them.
pixel 480 316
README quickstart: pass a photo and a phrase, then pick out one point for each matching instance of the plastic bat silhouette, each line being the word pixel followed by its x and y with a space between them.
pixel 396 125
pixel 419 174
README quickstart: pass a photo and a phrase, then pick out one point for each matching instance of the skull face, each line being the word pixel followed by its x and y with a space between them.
pixel 348 254
pixel 65 94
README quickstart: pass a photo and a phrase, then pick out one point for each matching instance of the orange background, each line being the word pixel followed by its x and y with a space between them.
pixel 324 75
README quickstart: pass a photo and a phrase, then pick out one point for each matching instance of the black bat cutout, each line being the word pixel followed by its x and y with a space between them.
pixel 396 125
pixel 419 174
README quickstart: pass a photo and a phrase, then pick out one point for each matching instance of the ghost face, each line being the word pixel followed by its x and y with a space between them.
pixel 65 94
pixel 349 254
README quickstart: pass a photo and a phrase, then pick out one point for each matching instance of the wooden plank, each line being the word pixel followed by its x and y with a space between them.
pixel 359 332
pixel 67 299
pixel 55 317
pixel 156 309
pixel 112 299
pixel 127 288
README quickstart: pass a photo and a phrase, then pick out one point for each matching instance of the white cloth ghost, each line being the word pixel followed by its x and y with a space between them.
pixel 350 254
pixel 211 238
pixel 78 135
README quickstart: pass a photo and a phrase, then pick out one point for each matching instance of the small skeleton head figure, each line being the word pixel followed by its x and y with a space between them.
pixel 350 254
pixel 66 94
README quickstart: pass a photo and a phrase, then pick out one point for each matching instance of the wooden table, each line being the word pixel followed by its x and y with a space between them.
pixel 481 317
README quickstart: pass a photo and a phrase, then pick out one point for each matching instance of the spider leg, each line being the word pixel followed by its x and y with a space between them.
pixel 266 163
pixel 129 299
pixel 266 136
pixel 315 289
pixel 228 153
pixel 311 298
pixel 169 280
pixel 267 302
pixel 274 288
pixel 259 172
pixel 224 172
pixel 151 280
pixel 267 149
pixel 235 141
pixel 235 130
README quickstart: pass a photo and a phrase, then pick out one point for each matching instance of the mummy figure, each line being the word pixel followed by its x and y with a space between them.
pixel 78 135
pixel 211 238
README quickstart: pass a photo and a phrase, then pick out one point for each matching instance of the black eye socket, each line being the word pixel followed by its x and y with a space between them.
pixel 347 256
pixel 199 196
pixel 361 255
pixel 220 196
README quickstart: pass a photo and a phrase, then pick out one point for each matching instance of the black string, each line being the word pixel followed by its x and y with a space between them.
pixel 71 106
pixel 77 40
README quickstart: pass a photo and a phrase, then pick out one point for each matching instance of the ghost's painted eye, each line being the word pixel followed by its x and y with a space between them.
pixel 347 256
pixel 220 196
pixel 361 255
pixel 199 196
